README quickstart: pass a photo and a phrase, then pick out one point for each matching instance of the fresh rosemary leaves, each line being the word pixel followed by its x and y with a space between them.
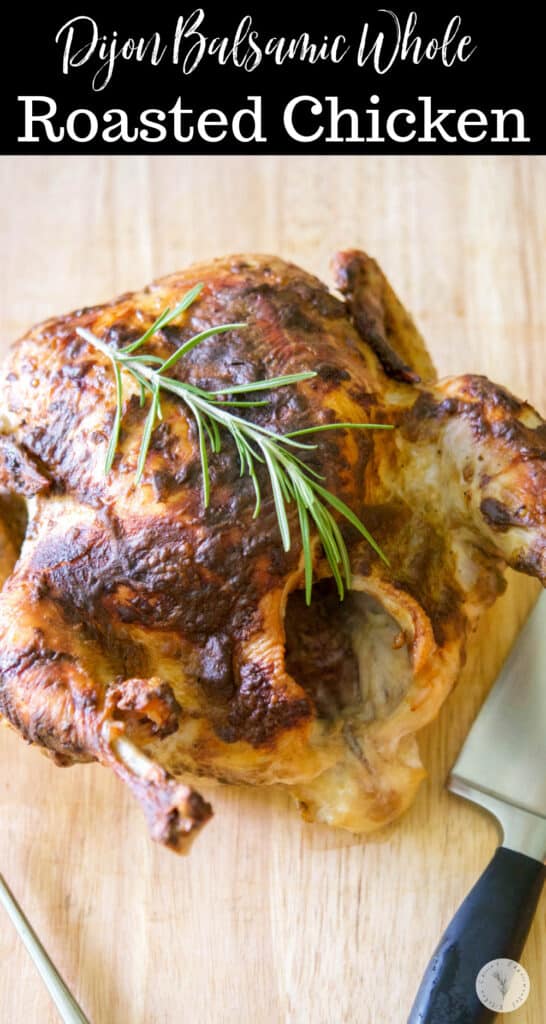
pixel 291 479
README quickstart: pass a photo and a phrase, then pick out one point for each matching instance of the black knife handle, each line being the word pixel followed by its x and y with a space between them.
pixel 493 922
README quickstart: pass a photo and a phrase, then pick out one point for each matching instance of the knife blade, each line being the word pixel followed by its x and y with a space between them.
pixel 501 767
pixel 504 754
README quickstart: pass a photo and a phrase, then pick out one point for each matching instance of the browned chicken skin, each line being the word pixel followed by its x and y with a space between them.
pixel 139 629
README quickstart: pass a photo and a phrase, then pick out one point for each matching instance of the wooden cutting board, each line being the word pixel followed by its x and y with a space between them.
pixel 269 920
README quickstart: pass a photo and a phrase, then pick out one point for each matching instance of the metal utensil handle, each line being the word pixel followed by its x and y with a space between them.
pixel 64 1001
pixel 492 922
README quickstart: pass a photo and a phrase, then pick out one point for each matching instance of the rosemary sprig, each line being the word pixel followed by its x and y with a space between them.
pixel 290 478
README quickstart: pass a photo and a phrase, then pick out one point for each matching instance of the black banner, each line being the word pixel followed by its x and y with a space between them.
pixel 431 78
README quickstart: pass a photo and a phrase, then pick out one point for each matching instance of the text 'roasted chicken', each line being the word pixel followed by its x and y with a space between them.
pixel 159 634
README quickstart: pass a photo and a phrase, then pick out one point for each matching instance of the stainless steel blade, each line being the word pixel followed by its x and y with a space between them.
pixel 504 755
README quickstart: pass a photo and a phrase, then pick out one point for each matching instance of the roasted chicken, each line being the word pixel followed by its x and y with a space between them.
pixel 159 637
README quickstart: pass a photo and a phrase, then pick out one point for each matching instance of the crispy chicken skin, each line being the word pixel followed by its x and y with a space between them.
pixel 160 638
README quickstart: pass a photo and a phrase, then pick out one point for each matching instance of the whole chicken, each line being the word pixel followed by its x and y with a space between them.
pixel 161 636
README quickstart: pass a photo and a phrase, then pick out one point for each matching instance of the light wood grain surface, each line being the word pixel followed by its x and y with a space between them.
pixel 269 920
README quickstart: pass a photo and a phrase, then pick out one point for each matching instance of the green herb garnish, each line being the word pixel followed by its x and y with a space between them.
pixel 291 479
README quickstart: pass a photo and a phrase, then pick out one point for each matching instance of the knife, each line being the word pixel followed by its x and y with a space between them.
pixel 501 767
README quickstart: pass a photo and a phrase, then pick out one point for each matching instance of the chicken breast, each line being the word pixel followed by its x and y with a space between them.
pixel 160 637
